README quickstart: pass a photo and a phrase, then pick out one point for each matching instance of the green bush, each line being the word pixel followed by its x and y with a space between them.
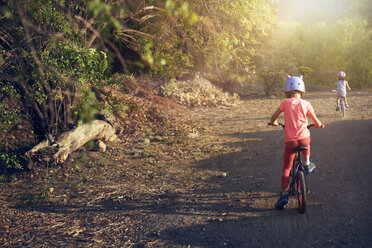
pixel 10 114
pixel 11 160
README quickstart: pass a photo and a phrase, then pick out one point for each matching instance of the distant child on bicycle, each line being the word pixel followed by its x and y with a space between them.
pixel 296 133
pixel 340 87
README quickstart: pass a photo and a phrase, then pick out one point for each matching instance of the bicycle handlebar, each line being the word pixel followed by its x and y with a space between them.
pixel 308 126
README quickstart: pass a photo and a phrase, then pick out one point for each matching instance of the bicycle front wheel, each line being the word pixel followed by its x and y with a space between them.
pixel 301 191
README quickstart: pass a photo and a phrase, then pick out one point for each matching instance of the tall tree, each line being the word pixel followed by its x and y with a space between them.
pixel 55 53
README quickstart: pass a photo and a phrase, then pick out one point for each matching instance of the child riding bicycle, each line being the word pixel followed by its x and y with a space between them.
pixel 340 87
pixel 296 133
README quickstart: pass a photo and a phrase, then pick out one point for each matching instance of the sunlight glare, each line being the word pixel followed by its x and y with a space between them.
pixel 309 10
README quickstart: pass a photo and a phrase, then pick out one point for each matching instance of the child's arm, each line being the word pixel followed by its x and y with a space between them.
pixel 273 121
pixel 334 87
pixel 347 85
pixel 315 119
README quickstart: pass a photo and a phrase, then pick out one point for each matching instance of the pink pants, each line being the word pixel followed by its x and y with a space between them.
pixel 289 156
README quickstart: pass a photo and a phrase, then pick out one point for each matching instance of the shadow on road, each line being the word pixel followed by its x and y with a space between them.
pixel 339 205
pixel 235 209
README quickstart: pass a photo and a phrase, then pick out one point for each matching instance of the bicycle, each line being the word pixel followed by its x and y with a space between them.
pixel 298 182
pixel 342 107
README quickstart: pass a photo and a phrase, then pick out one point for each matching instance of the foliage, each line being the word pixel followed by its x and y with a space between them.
pixel 74 61
pixel 363 8
pixel 274 63
pixel 320 50
pixel 47 62
pixel 359 66
pixel 165 50
pixel 222 41
pixel 305 70
pixel 272 72
pixel 10 114
pixel 56 54
pixel 232 32
pixel 10 160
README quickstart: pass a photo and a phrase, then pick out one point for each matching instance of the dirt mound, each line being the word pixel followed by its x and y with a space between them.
pixel 198 92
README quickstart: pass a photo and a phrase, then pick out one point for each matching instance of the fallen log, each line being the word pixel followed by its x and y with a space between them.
pixel 71 141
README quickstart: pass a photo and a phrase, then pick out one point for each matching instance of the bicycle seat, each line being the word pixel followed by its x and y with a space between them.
pixel 299 148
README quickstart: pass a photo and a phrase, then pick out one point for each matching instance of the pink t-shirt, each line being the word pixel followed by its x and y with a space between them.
pixel 295 118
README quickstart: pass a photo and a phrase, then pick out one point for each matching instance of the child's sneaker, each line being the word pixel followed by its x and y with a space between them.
pixel 283 200
pixel 347 105
pixel 337 108
pixel 309 167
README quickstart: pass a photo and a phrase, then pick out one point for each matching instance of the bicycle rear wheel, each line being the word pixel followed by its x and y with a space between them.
pixel 292 190
pixel 342 108
pixel 301 191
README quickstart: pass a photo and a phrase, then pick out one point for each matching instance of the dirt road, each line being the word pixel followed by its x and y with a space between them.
pixel 339 214
pixel 220 193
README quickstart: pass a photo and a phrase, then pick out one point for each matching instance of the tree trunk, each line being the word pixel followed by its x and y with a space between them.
pixel 71 141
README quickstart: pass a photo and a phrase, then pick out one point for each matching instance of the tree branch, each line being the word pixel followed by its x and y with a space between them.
pixel 37 61
pixel 116 50
pixel 23 87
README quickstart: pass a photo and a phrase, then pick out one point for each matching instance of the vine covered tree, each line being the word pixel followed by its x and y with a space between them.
pixel 54 54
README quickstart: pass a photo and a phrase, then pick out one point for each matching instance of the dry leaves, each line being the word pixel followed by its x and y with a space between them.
pixel 199 92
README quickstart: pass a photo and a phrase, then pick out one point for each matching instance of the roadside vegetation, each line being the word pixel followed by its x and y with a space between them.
pixel 60 60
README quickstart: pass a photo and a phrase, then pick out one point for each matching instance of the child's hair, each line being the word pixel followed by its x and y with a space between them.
pixel 341 78
pixel 291 93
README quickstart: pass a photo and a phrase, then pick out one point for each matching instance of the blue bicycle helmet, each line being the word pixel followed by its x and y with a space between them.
pixel 294 83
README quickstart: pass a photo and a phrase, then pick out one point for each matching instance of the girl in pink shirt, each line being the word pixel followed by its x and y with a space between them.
pixel 296 133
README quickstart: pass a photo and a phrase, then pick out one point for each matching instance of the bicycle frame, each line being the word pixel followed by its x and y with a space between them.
pixel 296 166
